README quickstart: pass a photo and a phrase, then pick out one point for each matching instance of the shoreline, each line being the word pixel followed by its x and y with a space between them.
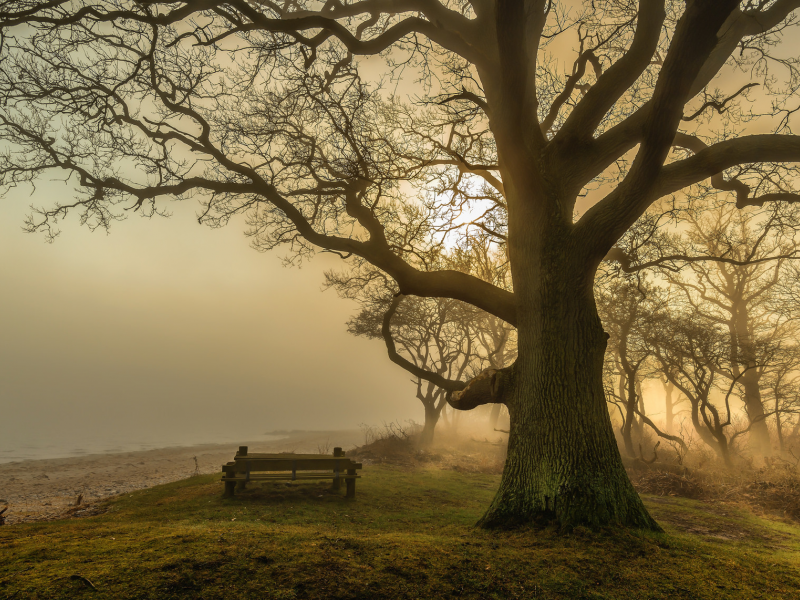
pixel 48 488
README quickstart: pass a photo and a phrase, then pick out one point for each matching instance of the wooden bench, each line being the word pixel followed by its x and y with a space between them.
pixel 247 467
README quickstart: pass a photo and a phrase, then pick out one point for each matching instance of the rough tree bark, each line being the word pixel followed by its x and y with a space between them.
pixel 563 463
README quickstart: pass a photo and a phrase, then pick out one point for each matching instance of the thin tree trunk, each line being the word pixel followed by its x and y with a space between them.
pixel 434 404
pixel 759 432
pixel 669 416
pixel 494 416
pixel 630 415
pixel 713 439
pixel 429 428
pixel 779 423
pixel 640 396
pixel 743 356
pixel 627 392
pixel 621 384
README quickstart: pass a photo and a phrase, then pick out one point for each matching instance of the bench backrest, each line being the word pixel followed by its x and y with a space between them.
pixel 251 463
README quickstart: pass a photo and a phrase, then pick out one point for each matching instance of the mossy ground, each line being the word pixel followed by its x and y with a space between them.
pixel 409 534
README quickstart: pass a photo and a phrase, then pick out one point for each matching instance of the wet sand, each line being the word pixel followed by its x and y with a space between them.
pixel 37 490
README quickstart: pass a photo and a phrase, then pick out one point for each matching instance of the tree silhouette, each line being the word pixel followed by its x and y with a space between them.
pixel 740 297
pixel 694 356
pixel 627 308
pixel 270 109
pixel 440 340
pixel 433 335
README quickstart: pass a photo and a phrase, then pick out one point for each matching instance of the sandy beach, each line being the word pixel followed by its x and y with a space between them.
pixel 36 490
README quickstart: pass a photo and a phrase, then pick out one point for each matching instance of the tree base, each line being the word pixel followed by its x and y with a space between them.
pixel 598 505
pixel 589 517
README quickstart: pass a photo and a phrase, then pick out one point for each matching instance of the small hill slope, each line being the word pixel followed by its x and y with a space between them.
pixel 408 534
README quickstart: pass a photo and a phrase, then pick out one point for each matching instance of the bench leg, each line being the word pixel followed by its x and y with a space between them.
pixel 230 487
pixel 337 482
pixel 351 484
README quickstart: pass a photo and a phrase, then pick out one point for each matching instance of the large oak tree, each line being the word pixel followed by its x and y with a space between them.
pixel 275 109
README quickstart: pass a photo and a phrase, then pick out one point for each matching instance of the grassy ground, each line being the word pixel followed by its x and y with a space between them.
pixel 408 534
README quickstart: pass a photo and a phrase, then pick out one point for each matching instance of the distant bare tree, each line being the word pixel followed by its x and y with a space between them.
pixel 433 335
pixel 629 307
pixel 266 109
pixel 670 404
pixel 487 258
pixel 439 338
pixel 691 353
pixel 782 386
pixel 740 295
pixel 626 309
pixel 694 356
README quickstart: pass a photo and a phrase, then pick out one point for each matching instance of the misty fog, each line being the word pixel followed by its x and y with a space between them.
pixel 167 332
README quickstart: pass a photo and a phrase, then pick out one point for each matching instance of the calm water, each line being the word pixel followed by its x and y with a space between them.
pixel 31 447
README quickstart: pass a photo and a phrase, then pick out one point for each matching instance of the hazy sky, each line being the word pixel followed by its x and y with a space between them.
pixel 168 326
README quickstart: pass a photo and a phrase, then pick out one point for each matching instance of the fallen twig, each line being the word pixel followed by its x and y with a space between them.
pixel 79 578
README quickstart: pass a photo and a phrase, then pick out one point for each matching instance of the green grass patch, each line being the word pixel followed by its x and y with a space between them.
pixel 408 534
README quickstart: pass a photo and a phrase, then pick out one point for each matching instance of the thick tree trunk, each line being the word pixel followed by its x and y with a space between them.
pixel 563 463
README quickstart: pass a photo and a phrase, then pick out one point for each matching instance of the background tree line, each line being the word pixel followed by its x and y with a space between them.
pixel 710 312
